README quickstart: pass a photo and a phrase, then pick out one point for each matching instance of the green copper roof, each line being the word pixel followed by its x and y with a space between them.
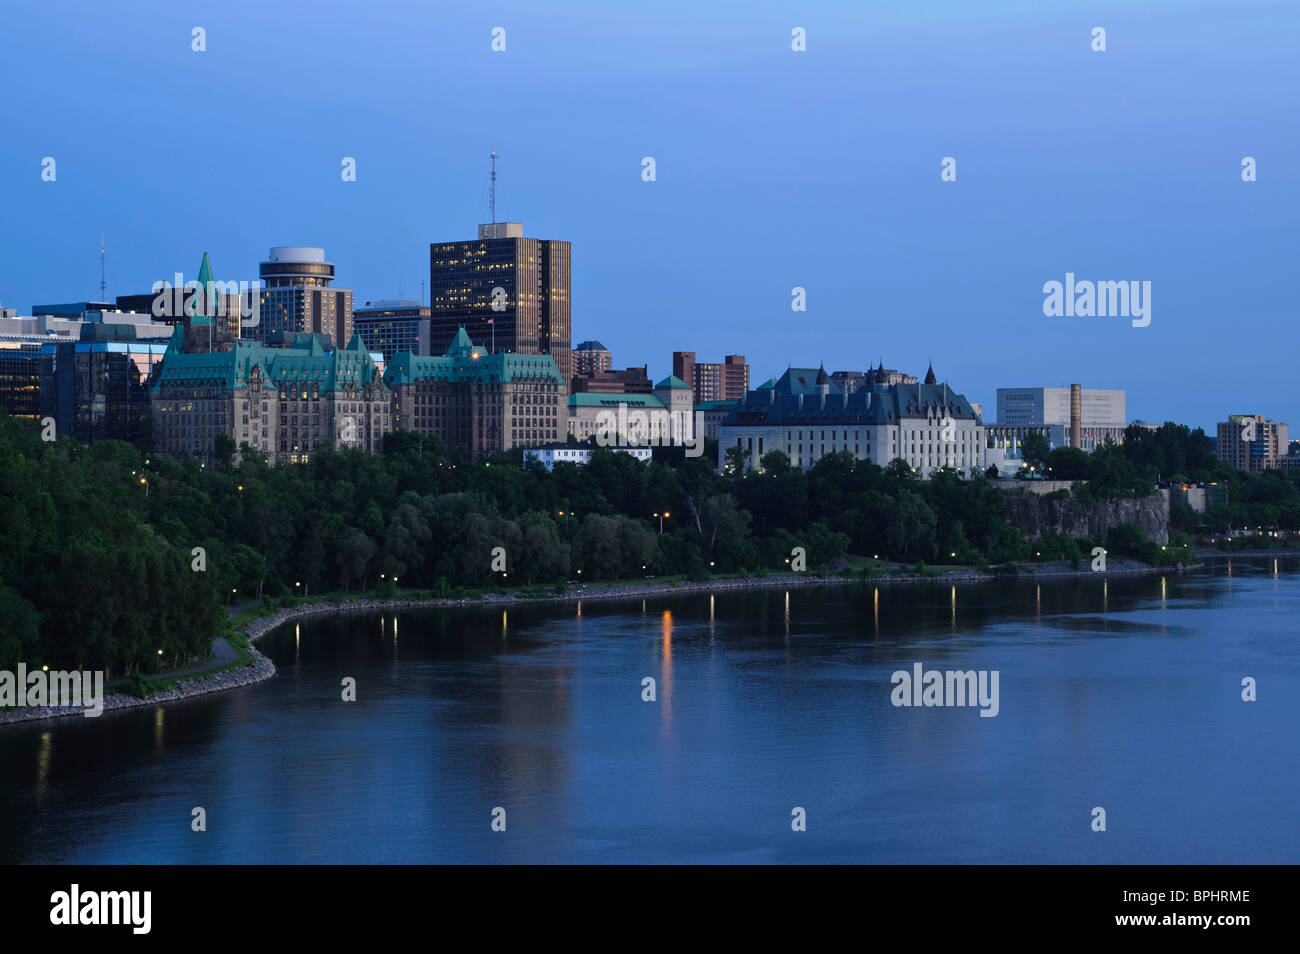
pixel 768 384
pixel 672 381
pixel 466 361
pixel 305 362
pixel 461 342
pixel 588 399
pixel 206 306
pixel 716 405
pixel 205 270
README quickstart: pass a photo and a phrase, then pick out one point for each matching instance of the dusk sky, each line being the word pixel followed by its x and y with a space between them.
pixel 775 169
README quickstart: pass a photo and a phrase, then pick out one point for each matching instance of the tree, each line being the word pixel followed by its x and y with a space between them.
pixel 223 451
pixel 737 460
pixel 1034 448
pixel 1069 463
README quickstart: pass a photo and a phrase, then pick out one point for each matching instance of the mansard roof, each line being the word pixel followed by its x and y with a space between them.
pixel 792 402
pixel 612 401
pixel 466 362
pixel 306 361
pixel 804 381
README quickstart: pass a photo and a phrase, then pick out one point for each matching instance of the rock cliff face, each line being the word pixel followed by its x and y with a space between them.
pixel 1093 519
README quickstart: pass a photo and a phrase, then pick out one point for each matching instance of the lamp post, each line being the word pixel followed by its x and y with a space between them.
pixel 661 517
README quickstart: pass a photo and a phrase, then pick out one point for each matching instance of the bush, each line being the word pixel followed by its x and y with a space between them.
pixel 142 686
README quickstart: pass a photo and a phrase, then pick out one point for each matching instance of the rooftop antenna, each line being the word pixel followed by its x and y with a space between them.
pixel 421 292
pixel 493 193
pixel 103 285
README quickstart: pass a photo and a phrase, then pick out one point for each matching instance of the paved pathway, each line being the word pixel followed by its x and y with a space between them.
pixel 222 654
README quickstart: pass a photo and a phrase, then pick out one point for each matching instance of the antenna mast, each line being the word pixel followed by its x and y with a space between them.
pixel 493 204
pixel 103 285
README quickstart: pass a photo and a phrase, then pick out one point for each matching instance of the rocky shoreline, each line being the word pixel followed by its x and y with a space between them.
pixel 261 668
pixel 258 669
pixel 1211 554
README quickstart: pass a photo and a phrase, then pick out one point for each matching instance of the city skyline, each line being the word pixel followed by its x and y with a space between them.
pixel 839 366
pixel 772 173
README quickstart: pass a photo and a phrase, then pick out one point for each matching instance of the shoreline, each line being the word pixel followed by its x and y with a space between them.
pixel 1212 554
pixel 260 668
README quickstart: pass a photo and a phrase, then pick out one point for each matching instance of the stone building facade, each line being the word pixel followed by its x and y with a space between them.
pixel 284 403
pixel 806 416
pixel 479 401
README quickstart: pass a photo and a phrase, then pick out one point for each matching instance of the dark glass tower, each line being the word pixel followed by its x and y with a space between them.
pixel 534 301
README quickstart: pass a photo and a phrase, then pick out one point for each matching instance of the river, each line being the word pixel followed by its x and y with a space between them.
pixel 1123 694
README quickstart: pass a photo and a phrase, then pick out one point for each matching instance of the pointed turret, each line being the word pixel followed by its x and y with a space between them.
pixel 205 270
pixel 929 375
pixel 461 342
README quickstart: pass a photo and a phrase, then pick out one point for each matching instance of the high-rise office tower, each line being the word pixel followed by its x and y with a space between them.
pixel 591 357
pixel 1252 442
pixel 510 293
pixel 392 326
pixel 728 381
pixel 297 298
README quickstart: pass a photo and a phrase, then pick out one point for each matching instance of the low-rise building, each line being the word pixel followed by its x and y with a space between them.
pixel 662 418
pixel 1002 444
pixel 577 454
pixel 626 381
pixel 710 415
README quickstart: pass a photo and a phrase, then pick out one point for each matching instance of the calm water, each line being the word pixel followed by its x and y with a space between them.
pixel 1123 694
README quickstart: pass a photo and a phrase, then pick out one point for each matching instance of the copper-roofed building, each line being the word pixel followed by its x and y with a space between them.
pixel 281 402
pixel 477 400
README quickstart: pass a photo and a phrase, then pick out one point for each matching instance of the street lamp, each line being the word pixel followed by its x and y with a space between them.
pixel 145 484
pixel 661 517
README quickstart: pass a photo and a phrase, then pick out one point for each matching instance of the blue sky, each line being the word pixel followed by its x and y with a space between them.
pixel 775 169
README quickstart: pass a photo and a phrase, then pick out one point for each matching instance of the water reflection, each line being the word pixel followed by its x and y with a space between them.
pixel 666 670
pixel 549 725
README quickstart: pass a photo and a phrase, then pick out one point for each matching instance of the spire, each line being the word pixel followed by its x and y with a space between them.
pixel 206 305
pixel 929 375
